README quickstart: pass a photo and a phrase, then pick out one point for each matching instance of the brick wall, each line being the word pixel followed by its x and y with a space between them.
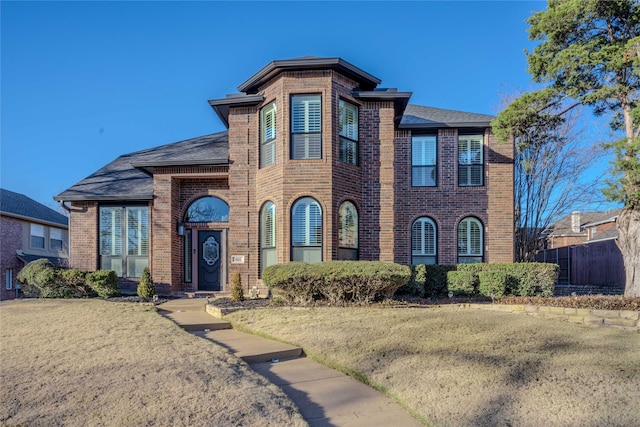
pixel 11 242
pixel 83 236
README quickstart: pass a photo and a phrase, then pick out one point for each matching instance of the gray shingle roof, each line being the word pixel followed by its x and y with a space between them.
pixel 416 116
pixel 18 204
pixel 126 178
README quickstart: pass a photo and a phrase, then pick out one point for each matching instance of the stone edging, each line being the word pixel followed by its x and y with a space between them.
pixel 622 319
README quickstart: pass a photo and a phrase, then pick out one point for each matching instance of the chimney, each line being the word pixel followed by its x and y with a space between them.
pixel 575 221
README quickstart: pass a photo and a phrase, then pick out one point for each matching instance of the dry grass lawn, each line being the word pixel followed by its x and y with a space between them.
pixel 98 363
pixel 465 367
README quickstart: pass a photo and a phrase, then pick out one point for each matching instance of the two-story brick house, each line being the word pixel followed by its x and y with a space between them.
pixel 28 231
pixel 318 163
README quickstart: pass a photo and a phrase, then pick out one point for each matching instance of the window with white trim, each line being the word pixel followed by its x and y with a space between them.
pixel 267 235
pixel 470 241
pixel 55 239
pixel 306 230
pixel 348 125
pixel 37 236
pixel 424 241
pixel 268 135
pixel 306 127
pixel 424 161
pixel 470 160
pixel 124 239
pixel 347 232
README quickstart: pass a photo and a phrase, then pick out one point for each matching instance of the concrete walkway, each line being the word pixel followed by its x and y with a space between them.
pixel 325 397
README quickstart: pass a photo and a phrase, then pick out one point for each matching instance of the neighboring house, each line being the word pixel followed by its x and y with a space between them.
pixel 28 231
pixel 318 163
pixel 577 228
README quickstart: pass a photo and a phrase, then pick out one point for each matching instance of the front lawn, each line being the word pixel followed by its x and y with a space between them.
pixel 461 367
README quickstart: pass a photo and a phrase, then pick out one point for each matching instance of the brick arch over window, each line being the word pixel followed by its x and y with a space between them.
pixel 424 241
pixel 306 230
pixel 470 240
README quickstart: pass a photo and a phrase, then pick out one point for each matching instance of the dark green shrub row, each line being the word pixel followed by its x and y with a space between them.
pixel 519 279
pixel 41 278
pixel 335 281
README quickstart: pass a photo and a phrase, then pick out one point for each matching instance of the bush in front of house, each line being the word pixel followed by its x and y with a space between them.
pixel 435 284
pixel 104 283
pixel 237 293
pixel 75 280
pixel 492 283
pixel 27 277
pixel 462 283
pixel 43 279
pixel 146 288
pixel 336 282
pixel 416 284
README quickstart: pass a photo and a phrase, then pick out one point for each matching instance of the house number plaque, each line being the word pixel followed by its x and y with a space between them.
pixel 237 259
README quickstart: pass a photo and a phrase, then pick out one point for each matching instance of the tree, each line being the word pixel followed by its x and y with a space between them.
pixel 550 161
pixel 589 54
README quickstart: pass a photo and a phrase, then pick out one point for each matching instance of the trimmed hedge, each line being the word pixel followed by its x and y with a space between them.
pixel 518 279
pixel 462 283
pixel 336 281
pixel 104 283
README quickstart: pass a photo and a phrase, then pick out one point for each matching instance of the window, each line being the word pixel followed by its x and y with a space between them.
pixel 55 239
pixel 470 241
pixel 208 209
pixel 268 135
pixel 348 117
pixel 306 231
pixel 124 239
pixel 37 236
pixel 267 235
pixel 306 127
pixel 423 241
pixel 470 163
pixel 188 247
pixel 424 161
pixel 348 232
pixel 8 279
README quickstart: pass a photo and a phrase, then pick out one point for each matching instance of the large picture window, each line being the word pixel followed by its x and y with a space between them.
pixel 424 161
pixel 306 230
pixel 124 239
pixel 348 232
pixel 306 127
pixel 267 235
pixel 470 241
pixel 348 123
pixel 423 241
pixel 268 135
pixel 470 160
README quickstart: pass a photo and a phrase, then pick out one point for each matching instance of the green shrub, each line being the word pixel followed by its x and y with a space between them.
pixel 104 283
pixel 415 285
pixel 146 288
pixel 436 279
pixel 27 276
pixel 336 281
pixel 492 283
pixel 237 294
pixel 462 283
pixel 76 280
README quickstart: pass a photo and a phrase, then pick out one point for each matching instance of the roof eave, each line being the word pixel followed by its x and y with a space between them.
pixel 222 106
pixel 436 125
pixel 149 166
pixel 111 198
pixel 400 100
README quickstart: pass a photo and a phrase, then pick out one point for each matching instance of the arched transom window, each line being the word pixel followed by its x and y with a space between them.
pixel 208 209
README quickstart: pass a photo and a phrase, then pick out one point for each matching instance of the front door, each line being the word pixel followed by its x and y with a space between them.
pixel 209 260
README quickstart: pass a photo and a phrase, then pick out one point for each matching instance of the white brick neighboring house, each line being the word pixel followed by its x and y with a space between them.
pixel 28 231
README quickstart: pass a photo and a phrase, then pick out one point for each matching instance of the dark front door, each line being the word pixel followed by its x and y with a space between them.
pixel 209 260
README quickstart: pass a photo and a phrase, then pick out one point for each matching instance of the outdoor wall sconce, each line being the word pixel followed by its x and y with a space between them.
pixel 180 229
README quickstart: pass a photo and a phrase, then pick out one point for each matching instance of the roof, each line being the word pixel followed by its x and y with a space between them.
pixel 562 227
pixel 56 261
pixel 128 177
pixel 19 205
pixel 272 69
pixel 419 117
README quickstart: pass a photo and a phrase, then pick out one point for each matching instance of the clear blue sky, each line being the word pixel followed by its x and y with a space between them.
pixel 85 82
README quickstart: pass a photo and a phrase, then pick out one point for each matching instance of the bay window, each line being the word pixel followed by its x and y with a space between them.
pixel 348 125
pixel 306 127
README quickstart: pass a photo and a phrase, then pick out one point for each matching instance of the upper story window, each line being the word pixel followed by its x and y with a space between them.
pixel 424 161
pixel 348 232
pixel 124 239
pixel 348 123
pixel 208 209
pixel 306 127
pixel 470 241
pixel 423 241
pixel 55 239
pixel 37 236
pixel 470 160
pixel 306 230
pixel 268 135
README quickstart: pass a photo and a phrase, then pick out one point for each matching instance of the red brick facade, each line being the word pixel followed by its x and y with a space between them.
pixel 380 187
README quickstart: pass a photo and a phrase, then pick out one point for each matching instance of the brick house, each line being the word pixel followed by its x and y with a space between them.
pixel 581 227
pixel 28 231
pixel 318 163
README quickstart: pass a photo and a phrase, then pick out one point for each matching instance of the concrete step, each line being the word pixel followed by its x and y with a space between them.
pixel 250 348
pixel 184 304
pixel 191 320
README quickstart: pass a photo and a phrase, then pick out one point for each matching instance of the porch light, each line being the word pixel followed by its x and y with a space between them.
pixel 180 229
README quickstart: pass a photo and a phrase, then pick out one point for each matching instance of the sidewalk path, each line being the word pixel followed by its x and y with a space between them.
pixel 325 397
